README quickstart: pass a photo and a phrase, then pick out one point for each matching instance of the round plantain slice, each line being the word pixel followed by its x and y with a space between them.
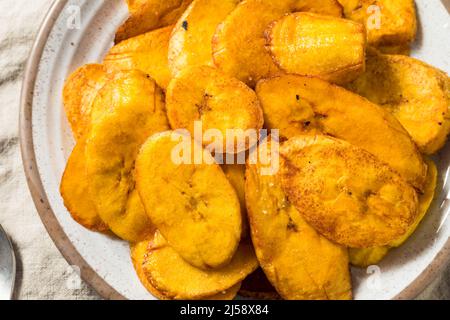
pixel 370 256
pixel 221 104
pixel 190 44
pixel 346 193
pixel 297 105
pixel 74 190
pixel 299 262
pixel 417 94
pixel 134 110
pixel 138 257
pixel 189 200
pixel 176 279
pixel 147 15
pixel 79 93
pixel 239 45
pixel 147 53
pixel 310 44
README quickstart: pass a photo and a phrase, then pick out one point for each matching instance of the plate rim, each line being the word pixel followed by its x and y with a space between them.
pixel 47 216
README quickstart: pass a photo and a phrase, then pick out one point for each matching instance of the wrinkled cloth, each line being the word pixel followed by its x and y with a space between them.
pixel 42 271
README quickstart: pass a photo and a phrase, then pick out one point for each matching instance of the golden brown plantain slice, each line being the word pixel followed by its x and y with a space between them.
pixel 147 52
pixel 189 200
pixel 299 105
pixel 135 110
pixel 388 23
pixel 257 286
pixel 298 261
pixel 74 190
pixel 417 94
pixel 346 193
pixel 147 15
pixel 239 44
pixel 235 173
pixel 219 101
pixel 190 44
pixel 370 256
pixel 310 44
pixel 174 278
pixel 79 93
pixel 138 256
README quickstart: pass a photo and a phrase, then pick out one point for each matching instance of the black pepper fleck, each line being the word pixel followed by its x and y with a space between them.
pixel 185 25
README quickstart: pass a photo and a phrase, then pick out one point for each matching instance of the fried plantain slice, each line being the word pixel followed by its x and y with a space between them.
pixel 176 279
pixel 299 105
pixel 388 23
pixel 371 256
pixel 190 44
pixel 202 219
pixel 239 44
pixel 135 110
pixel 417 94
pixel 310 44
pixel 219 101
pixel 346 193
pixel 138 256
pixel 235 173
pixel 74 190
pixel 147 52
pixel 147 15
pixel 298 261
pixel 79 93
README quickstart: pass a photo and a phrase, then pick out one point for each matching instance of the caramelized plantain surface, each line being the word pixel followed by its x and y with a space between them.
pixel 310 44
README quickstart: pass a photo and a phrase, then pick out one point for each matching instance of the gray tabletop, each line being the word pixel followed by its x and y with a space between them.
pixel 42 271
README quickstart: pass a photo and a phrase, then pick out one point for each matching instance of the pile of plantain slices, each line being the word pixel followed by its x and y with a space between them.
pixel 340 177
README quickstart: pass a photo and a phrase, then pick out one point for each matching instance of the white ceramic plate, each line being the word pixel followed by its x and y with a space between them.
pixel 68 40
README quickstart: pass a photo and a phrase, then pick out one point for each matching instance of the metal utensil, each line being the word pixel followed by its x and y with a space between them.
pixel 7 267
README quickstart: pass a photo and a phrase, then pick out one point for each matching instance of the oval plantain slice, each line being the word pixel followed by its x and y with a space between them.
pixel 189 200
pixel 221 103
pixel 79 93
pixel 171 275
pixel 370 256
pixel 299 105
pixel 147 53
pixel 299 262
pixel 134 110
pixel 239 45
pixel 75 191
pixel 138 257
pixel 388 23
pixel 346 193
pixel 147 15
pixel 310 44
pixel 190 44
pixel 417 94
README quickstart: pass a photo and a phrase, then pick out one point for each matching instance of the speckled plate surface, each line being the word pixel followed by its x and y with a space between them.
pixel 68 40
